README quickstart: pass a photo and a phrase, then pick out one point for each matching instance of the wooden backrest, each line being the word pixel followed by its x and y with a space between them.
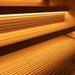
pixel 13 23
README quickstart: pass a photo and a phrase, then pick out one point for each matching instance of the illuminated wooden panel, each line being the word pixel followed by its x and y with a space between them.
pixel 50 57
pixel 20 35
pixel 70 15
pixel 23 2
pixel 57 3
pixel 14 22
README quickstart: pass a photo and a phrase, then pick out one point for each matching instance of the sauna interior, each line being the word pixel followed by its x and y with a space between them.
pixel 37 37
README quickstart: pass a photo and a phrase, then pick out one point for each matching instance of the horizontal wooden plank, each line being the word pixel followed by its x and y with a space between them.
pixel 11 23
pixel 25 34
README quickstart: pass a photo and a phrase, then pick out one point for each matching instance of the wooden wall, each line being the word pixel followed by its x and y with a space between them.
pixel 12 23
pixel 23 2
pixel 70 15
pixel 57 3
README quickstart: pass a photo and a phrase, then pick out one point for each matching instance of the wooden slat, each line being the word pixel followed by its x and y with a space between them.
pixel 11 23
pixel 20 35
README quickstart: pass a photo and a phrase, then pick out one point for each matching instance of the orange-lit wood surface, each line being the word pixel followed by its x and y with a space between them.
pixel 28 26
pixel 23 2
pixel 70 15
pixel 54 56
pixel 37 49
pixel 20 35
pixel 13 22
pixel 57 3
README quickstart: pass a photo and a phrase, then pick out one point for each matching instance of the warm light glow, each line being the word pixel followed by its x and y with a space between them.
pixel 25 34
pixel 26 14
pixel 33 0
pixel 40 58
